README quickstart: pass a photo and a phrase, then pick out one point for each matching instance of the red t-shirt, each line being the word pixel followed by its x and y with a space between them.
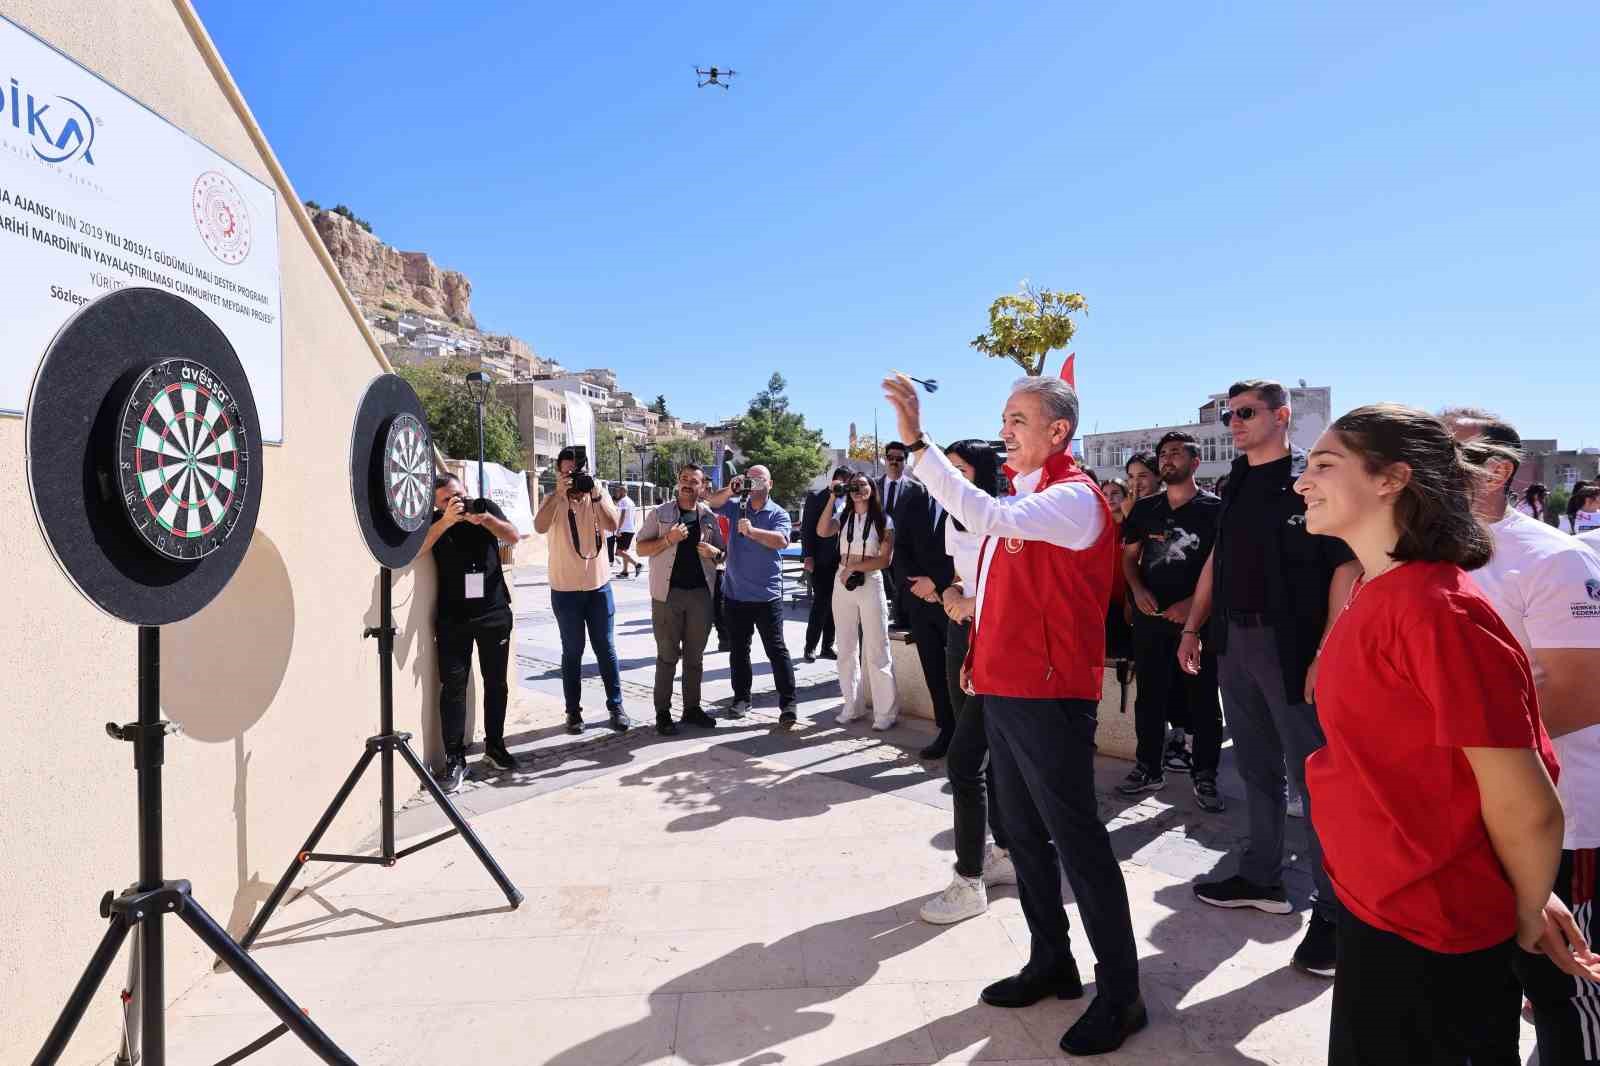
pixel 1418 667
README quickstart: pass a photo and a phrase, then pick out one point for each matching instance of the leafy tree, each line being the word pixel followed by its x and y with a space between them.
pixel 660 406
pixel 1558 502
pixel 772 436
pixel 865 449
pixel 313 206
pixel 670 453
pixel 453 416
pixel 1026 327
pixel 342 209
pixel 605 464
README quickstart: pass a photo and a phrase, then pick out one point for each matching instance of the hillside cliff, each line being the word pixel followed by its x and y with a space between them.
pixel 379 275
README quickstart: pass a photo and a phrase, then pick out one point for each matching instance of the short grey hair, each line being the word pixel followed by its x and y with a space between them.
pixel 1060 399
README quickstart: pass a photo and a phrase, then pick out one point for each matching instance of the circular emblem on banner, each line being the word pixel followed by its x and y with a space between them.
pixel 408 472
pixel 221 217
pixel 182 460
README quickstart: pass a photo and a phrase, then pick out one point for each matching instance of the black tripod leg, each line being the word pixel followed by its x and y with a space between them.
pixel 310 845
pixel 82 993
pixel 244 967
pixel 513 896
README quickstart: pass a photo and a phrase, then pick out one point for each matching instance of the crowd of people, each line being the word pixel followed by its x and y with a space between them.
pixel 1385 631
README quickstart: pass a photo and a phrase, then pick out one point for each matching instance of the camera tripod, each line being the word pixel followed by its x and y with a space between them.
pixel 385 744
pixel 141 908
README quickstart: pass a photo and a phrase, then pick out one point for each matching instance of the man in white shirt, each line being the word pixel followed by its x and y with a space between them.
pixel 627 526
pixel 1545 586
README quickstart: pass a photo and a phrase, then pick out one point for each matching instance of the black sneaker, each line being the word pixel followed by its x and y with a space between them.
pixel 827 653
pixel 455 772
pixel 1104 1026
pixel 665 726
pixel 1177 759
pixel 1319 949
pixel 1141 780
pixel 809 656
pixel 574 722
pixel 620 721
pixel 1206 796
pixel 698 717
pixel 1237 892
pixel 497 756
pixel 787 718
pixel 936 750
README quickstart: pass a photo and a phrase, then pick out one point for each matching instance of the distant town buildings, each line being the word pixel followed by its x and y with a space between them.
pixel 1106 454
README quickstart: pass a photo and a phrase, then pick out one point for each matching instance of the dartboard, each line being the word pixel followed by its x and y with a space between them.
pixel 182 459
pixel 408 472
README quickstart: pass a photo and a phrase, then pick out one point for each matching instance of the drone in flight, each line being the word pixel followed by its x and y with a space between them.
pixel 714 76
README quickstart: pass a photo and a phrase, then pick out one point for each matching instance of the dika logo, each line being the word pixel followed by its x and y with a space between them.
pixel 59 128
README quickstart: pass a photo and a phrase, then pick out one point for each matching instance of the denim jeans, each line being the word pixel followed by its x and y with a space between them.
pixel 594 611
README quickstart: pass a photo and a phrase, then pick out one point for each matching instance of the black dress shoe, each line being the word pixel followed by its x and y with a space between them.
pixel 937 749
pixel 698 717
pixel 787 718
pixel 574 722
pixel 827 653
pixel 620 721
pixel 809 656
pixel 665 726
pixel 1104 1026
pixel 1026 989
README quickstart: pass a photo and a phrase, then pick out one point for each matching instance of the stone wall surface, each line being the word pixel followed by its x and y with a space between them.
pixel 377 273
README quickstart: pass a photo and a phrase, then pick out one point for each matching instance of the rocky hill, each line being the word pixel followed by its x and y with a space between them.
pixel 383 277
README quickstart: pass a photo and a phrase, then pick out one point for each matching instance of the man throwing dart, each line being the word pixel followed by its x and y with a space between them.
pixel 1036 657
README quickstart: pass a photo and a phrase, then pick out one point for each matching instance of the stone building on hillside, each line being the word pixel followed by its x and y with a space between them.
pixel 541 419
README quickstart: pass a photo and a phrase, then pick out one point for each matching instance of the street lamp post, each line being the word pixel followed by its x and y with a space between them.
pixel 641 448
pixel 478 385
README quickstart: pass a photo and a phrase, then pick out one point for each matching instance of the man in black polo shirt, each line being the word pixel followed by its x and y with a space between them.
pixel 474 607
pixel 1270 591
pixel 1166 540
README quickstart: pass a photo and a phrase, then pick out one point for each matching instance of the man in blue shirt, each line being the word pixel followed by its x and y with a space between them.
pixel 752 587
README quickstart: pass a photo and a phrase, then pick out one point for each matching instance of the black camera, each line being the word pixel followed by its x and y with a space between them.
pixel 840 491
pixel 854 580
pixel 478 506
pixel 582 480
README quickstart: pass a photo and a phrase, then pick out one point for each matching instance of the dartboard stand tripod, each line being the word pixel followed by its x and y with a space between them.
pixel 140 911
pixel 383 747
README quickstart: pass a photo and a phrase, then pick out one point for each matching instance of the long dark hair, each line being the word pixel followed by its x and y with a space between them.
pixel 1434 510
pixel 1537 498
pixel 875 516
pixel 985 463
pixel 1580 492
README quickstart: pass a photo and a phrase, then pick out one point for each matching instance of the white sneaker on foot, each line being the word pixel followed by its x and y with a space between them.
pixel 997 868
pixel 880 724
pixel 849 714
pixel 964 898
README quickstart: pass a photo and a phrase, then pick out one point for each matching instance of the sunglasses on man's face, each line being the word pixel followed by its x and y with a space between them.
pixel 1243 414
pixel 894 458
pixel 860 490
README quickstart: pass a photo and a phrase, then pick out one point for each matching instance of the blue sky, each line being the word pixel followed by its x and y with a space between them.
pixel 1401 201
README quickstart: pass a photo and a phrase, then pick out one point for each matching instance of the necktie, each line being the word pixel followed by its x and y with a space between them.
pixel 934 512
pixel 889 500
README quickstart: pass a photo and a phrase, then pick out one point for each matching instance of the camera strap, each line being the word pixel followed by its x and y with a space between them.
pixel 572 528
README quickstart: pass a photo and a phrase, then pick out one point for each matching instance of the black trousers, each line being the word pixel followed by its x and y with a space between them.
pixel 1168 694
pixel 1566 1011
pixel 745 619
pixel 819 623
pixel 967 763
pixel 1395 1002
pixel 1043 752
pixel 927 623
pixel 454 641
pixel 719 614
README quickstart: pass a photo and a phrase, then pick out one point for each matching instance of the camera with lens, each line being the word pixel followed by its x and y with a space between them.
pixel 854 580
pixel 478 506
pixel 840 491
pixel 582 480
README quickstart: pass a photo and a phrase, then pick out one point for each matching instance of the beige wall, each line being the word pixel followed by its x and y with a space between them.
pixel 273 682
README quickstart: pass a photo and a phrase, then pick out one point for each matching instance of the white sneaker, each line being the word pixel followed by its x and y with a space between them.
pixel 997 868
pixel 880 724
pixel 739 708
pixel 849 714
pixel 964 898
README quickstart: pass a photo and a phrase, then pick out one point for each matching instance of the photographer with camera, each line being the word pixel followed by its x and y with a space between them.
pixel 753 586
pixel 865 536
pixel 474 607
pixel 574 520
pixel 820 557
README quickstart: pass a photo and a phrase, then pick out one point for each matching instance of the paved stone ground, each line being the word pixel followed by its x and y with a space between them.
pixel 742 897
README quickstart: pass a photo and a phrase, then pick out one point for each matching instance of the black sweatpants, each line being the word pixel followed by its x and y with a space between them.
pixel 1566 1010
pixel 1043 752
pixel 819 623
pixel 1396 1002
pixel 1167 693
pixel 454 641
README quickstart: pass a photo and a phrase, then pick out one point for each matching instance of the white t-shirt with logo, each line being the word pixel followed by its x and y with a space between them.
pixel 627 516
pixel 1546 588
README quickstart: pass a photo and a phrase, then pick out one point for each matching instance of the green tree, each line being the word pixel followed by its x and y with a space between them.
pixel 453 416
pixel 865 449
pixel 605 463
pixel 670 453
pixel 660 406
pixel 1026 327
pixel 775 437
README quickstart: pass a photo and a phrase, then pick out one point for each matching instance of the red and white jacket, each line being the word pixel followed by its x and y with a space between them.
pixel 1044 577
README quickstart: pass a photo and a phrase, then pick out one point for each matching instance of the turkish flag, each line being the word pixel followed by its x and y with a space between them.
pixel 1067 374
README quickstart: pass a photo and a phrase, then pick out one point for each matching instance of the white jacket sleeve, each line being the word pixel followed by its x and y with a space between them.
pixel 1067 515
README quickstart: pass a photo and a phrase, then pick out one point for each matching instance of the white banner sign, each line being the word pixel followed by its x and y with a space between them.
pixel 507 488
pixel 580 426
pixel 97 192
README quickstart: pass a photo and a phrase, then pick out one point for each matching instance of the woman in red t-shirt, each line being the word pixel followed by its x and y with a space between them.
pixel 1435 805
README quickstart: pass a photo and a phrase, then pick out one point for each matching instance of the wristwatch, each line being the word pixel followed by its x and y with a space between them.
pixel 917 445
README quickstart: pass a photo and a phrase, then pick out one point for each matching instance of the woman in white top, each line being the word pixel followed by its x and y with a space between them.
pixel 866 545
pixel 979 864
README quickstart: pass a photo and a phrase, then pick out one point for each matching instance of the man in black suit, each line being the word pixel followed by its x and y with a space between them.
pixel 821 560
pixel 891 486
pixel 925 570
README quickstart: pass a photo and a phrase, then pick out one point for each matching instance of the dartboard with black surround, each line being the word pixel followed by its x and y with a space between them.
pixel 182 460
pixel 144 455
pixel 408 472
pixel 391 471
